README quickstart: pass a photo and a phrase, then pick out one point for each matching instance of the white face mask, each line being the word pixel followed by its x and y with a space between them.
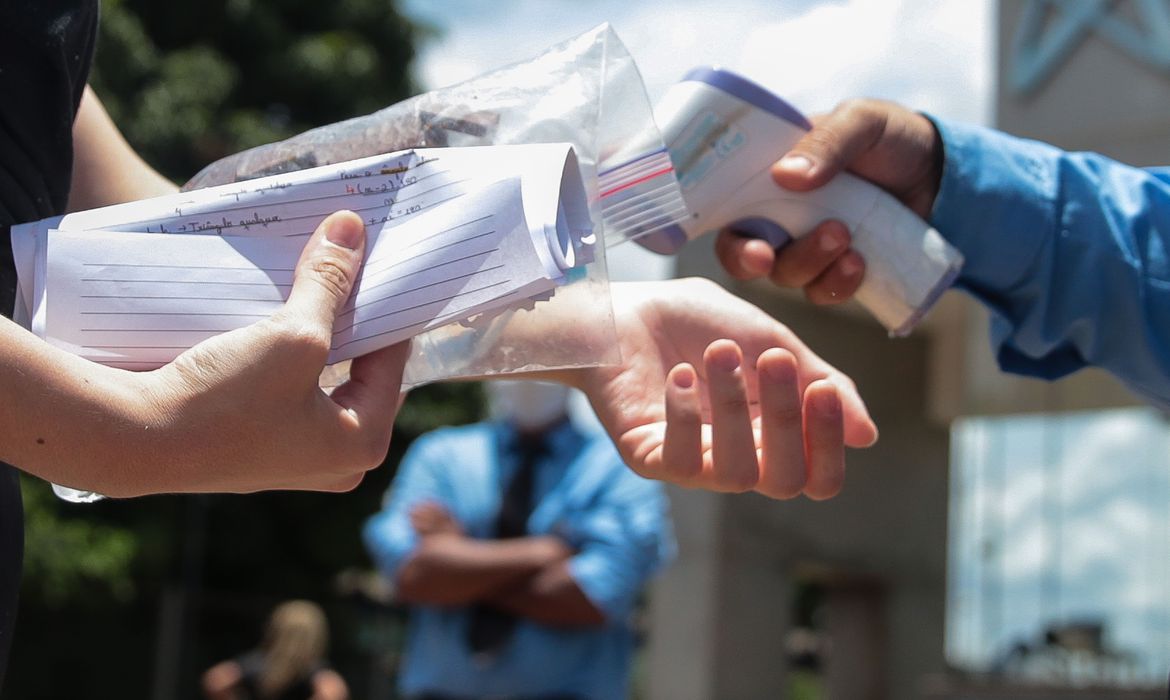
pixel 527 405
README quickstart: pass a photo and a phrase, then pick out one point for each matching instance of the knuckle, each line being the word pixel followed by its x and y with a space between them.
pixel 732 402
pixel 367 452
pixel 302 338
pixel 825 141
pixel 788 414
pixel 374 453
pixel 346 484
pixel 862 110
pixel 332 274
pixel 789 272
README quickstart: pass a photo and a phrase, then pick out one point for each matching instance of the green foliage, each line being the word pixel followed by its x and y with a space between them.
pixel 441 404
pixel 190 82
pixel 69 557
pixel 805 685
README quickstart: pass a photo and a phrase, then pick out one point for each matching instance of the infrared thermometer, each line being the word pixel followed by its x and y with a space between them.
pixel 723 133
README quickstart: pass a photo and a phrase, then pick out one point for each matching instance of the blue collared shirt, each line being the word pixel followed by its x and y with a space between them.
pixel 615 520
pixel 1068 250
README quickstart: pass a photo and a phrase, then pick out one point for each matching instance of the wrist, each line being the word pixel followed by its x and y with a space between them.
pixel 927 142
pixel 546 549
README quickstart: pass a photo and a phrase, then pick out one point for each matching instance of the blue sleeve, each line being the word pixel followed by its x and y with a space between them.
pixel 1068 250
pixel 621 542
pixel 388 535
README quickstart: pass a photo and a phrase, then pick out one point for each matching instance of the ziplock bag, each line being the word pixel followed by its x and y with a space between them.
pixel 585 91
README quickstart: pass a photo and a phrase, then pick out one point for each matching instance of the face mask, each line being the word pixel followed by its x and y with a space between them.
pixel 527 405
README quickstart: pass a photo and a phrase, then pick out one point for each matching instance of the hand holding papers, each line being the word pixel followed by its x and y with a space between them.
pixel 240 412
pixel 116 286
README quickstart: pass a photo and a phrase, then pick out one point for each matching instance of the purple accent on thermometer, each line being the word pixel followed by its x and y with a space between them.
pixel 664 241
pixel 753 94
pixel 765 229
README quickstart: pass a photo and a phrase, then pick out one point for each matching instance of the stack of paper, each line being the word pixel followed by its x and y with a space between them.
pixel 452 233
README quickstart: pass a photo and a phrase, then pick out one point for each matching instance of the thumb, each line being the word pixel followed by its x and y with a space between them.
pixel 327 269
pixel 835 141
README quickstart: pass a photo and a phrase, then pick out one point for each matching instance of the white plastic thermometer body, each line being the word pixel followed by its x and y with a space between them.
pixel 724 132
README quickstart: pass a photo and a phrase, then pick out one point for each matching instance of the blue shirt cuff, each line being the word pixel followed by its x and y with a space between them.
pixel 594 575
pixel 996 204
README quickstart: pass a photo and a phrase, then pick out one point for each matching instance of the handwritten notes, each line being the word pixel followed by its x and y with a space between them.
pixel 452 233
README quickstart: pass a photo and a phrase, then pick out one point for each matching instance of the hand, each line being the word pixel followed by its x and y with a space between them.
pixel 242 411
pixel 893 147
pixel 431 518
pixel 759 413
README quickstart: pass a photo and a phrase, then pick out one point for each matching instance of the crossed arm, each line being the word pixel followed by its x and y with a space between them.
pixel 526 576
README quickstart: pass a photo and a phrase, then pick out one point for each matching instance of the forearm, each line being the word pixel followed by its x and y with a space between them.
pixel 550 597
pixel 445 570
pixel 106 170
pixel 65 419
pixel 1066 250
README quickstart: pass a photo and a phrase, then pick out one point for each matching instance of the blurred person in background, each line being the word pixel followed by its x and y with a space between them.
pixel 521 546
pixel 288 665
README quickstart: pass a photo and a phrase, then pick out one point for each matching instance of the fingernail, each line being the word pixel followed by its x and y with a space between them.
pixel 780 371
pixel 832 240
pixel 795 164
pixel 344 231
pixel 726 360
pixel 850 266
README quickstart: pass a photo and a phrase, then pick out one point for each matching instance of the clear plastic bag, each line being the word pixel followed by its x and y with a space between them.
pixel 585 91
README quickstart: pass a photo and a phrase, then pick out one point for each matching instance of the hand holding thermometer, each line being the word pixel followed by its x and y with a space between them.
pixel 724 132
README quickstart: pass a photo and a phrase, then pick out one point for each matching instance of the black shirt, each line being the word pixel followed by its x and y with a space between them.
pixel 252 668
pixel 45 51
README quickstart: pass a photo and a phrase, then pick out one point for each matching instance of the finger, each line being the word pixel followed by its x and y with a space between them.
pixel 375 381
pixel 830 147
pixel 744 258
pixel 782 469
pixel 735 467
pixel 824 441
pixel 808 257
pixel 327 269
pixel 330 484
pixel 860 429
pixel 839 282
pixel 682 448
pixel 366 405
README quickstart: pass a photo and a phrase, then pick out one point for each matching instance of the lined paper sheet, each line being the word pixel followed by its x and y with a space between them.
pixel 386 191
pixel 137 301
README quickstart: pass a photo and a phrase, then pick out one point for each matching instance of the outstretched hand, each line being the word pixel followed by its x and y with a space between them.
pixel 714 393
pixel 889 145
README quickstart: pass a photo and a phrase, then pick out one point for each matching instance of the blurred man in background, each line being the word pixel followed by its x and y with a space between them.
pixel 522 545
